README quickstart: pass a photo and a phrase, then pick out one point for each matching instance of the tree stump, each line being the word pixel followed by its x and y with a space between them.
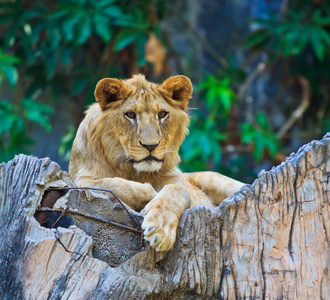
pixel 268 241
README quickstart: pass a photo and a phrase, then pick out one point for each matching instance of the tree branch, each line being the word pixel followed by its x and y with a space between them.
pixel 77 213
pixel 300 109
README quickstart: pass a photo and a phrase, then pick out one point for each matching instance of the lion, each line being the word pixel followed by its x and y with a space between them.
pixel 128 142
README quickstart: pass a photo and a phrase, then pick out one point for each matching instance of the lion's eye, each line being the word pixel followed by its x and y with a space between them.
pixel 130 115
pixel 162 114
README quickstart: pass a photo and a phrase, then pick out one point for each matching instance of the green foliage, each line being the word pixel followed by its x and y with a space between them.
pixel 80 19
pixel 63 47
pixel 37 112
pixel 300 29
pixel 219 95
pixel 13 137
pixel 66 143
pixel 261 136
pixel 15 117
pixel 202 148
pixel 300 40
pixel 13 122
pixel 8 69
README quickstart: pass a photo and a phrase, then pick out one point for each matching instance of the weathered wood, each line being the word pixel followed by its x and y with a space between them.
pixel 269 241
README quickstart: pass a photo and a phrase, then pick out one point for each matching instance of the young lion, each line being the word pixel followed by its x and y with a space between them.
pixel 129 143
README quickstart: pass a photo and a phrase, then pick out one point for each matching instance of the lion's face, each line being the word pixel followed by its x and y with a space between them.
pixel 146 122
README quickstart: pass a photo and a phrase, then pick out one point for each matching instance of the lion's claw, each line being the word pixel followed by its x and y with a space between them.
pixel 158 231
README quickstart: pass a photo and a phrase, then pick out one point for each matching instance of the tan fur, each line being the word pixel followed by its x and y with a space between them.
pixel 110 151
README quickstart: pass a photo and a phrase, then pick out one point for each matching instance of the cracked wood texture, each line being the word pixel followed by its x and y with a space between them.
pixel 268 241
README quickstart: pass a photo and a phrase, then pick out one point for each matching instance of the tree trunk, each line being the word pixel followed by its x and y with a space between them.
pixel 269 241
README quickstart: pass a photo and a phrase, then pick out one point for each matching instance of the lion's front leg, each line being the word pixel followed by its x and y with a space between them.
pixel 136 195
pixel 215 186
pixel 162 214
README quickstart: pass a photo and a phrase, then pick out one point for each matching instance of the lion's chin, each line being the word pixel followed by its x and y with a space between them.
pixel 148 166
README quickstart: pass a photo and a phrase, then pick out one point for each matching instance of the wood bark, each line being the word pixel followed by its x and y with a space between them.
pixel 268 241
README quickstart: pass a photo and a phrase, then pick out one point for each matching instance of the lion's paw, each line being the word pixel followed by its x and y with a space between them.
pixel 159 228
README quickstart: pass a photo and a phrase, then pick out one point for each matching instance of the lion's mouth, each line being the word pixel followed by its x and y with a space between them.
pixel 148 158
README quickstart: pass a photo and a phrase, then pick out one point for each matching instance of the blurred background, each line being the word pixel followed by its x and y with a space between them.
pixel 260 69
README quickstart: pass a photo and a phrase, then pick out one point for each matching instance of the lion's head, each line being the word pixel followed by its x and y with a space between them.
pixel 139 123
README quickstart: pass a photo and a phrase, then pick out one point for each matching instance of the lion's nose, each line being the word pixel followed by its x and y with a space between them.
pixel 149 147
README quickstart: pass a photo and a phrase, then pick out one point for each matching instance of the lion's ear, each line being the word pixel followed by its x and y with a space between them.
pixel 179 88
pixel 110 90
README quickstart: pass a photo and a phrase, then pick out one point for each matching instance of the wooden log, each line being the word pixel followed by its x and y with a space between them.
pixel 268 241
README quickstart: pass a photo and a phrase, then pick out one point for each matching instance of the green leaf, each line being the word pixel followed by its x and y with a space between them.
pixel 7 119
pixel 247 131
pixel 125 38
pixel 126 21
pixel 54 37
pixel 271 144
pixel 5 106
pixel 59 14
pixel 104 3
pixel 262 121
pixel 84 30
pixel 257 39
pixel 8 59
pixel 320 40
pixel 258 146
pixel 36 32
pixel 325 35
pixel 261 136
pixel 10 73
pixel 113 12
pixel 69 26
pixel 30 14
pixel 103 28
pixel 66 55
pixel 318 46
pixel 141 42
pixel 50 64
pixel 211 97
pixel 321 20
pixel 66 143
pixel 226 96
pixel 37 112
